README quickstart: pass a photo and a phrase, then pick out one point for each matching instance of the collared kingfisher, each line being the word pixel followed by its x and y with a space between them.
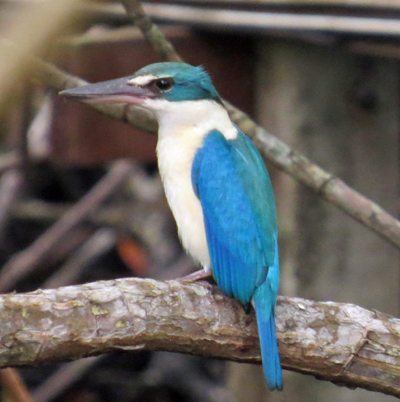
pixel 216 184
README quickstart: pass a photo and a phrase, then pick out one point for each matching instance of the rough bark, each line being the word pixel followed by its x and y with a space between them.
pixel 337 342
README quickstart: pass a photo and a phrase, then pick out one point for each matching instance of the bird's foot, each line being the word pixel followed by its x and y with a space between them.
pixel 196 276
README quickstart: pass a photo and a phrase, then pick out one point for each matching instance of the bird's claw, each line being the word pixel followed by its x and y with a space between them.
pixel 196 276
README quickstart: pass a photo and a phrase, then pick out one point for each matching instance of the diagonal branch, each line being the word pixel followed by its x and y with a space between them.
pixel 325 184
pixel 154 36
pixel 45 73
pixel 299 167
pixel 29 259
pixel 337 342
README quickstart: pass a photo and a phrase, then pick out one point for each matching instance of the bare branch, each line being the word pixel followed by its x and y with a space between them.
pixel 11 183
pixel 98 244
pixel 334 190
pixel 12 381
pixel 298 166
pixel 328 186
pixel 10 160
pixel 59 80
pixel 27 260
pixel 151 32
pixel 63 377
pixel 336 342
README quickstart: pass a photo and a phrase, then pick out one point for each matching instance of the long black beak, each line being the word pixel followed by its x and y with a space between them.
pixel 113 91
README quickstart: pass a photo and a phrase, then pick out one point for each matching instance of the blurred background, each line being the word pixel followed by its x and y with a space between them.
pixel 322 75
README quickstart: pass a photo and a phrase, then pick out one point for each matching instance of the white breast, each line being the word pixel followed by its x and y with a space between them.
pixel 175 160
pixel 182 128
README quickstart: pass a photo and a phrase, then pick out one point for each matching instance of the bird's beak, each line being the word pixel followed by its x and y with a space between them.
pixel 113 91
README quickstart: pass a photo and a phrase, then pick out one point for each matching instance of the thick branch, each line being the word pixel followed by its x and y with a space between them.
pixel 336 342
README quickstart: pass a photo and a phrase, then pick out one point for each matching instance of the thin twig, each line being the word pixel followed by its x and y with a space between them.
pixel 147 221
pixel 337 342
pixel 26 261
pixel 63 378
pixel 151 32
pixel 49 212
pixel 99 243
pixel 10 160
pixel 12 381
pixel 60 80
pixel 10 189
pixel 48 74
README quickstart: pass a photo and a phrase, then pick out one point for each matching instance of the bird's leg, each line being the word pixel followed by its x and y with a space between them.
pixel 204 273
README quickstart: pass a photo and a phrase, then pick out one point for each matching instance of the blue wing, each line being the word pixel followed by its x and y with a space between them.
pixel 235 192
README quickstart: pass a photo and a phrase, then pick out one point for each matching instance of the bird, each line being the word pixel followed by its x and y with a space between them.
pixel 216 184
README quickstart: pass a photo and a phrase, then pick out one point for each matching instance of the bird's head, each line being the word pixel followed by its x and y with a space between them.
pixel 153 87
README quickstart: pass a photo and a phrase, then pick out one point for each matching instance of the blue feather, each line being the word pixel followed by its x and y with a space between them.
pixel 190 83
pixel 232 183
pixel 264 303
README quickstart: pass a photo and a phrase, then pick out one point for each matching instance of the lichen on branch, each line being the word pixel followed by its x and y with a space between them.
pixel 334 341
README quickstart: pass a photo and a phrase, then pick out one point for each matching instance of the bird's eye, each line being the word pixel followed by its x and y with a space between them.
pixel 164 84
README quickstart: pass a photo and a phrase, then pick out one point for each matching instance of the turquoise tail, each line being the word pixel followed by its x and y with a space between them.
pixel 269 344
